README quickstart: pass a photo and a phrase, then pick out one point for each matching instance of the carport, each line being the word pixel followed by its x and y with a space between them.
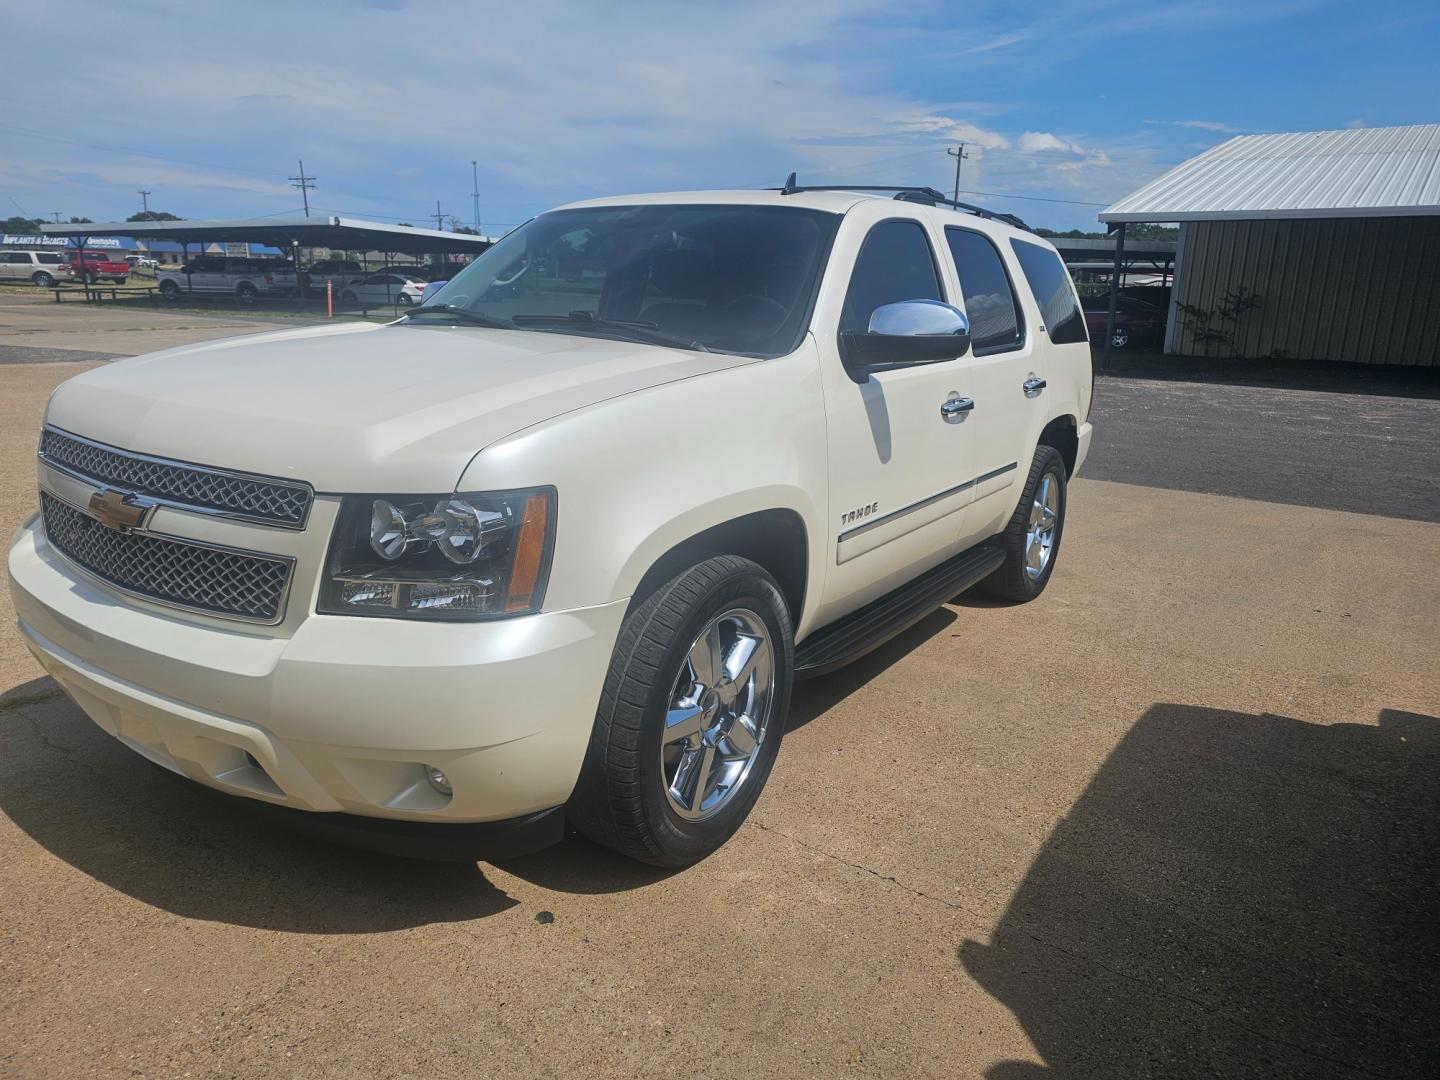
pixel 1320 245
pixel 286 234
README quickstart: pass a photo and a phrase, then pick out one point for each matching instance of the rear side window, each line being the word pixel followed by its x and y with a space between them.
pixel 989 301
pixel 1050 282
pixel 49 257
pixel 895 264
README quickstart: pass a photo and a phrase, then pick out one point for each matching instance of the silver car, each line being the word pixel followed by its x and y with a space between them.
pixel 44 268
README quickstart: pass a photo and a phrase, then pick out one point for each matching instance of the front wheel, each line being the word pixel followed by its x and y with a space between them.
pixel 1121 338
pixel 170 291
pixel 349 298
pixel 691 715
pixel 1031 541
pixel 245 293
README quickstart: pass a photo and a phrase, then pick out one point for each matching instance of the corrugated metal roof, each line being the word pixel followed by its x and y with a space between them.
pixel 1364 172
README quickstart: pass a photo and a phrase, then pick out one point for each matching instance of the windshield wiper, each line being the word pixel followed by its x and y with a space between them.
pixel 460 313
pixel 647 332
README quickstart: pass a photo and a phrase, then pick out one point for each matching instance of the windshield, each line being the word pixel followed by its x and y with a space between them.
pixel 724 278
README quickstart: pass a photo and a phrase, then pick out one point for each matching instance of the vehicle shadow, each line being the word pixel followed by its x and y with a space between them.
pixel 92 802
pixel 813 697
pixel 1234 895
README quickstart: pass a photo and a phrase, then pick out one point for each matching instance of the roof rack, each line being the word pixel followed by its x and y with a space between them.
pixel 904 193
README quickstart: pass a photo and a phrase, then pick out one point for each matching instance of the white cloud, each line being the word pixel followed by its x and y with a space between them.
pixel 1033 142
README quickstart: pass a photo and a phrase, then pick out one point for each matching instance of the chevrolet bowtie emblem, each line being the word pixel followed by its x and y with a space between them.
pixel 120 510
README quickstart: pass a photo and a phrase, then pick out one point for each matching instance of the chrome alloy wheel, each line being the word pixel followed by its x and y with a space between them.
pixel 718 715
pixel 1040 533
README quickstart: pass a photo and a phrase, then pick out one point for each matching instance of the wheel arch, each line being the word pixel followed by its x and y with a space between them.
pixel 1063 434
pixel 775 539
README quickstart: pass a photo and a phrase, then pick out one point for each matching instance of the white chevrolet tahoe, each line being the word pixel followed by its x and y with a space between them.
pixel 556 544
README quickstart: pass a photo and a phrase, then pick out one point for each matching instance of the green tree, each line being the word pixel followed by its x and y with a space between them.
pixel 154 215
pixel 82 221
pixel 18 224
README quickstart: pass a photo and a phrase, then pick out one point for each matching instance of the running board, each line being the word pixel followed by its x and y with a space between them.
pixel 877 622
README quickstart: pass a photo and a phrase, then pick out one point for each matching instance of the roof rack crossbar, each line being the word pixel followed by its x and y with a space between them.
pixel 907 193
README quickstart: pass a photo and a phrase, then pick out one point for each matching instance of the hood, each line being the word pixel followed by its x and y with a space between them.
pixel 357 407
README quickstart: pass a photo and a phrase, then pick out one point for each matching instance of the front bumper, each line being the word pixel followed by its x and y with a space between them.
pixel 336 715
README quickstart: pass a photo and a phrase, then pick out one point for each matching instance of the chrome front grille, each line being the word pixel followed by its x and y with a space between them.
pixel 196 487
pixel 180 573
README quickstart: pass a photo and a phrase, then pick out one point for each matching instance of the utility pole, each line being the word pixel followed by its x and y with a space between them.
pixel 305 184
pixel 145 202
pixel 475 182
pixel 959 155
pixel 56 215
pixel 439 216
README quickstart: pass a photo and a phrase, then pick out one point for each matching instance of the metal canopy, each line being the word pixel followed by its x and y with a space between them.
pixel 1366 172
pixel 331 232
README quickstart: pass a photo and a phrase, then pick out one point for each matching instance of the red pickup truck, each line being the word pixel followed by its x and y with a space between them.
pixel 91 266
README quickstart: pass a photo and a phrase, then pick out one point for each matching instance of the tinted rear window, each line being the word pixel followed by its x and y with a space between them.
pixel 989 303
pixel 1050 282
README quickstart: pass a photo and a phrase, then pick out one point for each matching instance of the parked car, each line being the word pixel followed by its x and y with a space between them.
pixel 338 273
pixel 245 279
pixel 384 289
pixel 560 552
pixel 1137 323
pixel 141 261
pixel 44 268
pixel 92 266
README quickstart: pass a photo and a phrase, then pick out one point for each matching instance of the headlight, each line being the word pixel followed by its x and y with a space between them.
pixel 463 556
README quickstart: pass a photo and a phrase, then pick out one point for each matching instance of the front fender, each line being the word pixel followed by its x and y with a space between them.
pixel 639 474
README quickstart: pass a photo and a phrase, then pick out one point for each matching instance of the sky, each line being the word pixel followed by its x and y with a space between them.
pixel 1063 107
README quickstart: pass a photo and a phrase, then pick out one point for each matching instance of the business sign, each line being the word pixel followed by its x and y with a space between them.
pixel 237 251
pixel 12 240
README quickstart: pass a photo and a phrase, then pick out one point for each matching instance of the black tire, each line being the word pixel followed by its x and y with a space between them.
pixel 620 800
pixel 170 291
pixel 245 293
pixel 404 300
pixel 349 298
pixel 1120 339
pixel 43 279
pixel 1012 581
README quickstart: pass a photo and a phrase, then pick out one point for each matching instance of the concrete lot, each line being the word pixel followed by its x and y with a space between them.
pixel 1179 817
pixel 34 329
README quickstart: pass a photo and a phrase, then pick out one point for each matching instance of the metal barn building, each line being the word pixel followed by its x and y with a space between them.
pixel 1317 245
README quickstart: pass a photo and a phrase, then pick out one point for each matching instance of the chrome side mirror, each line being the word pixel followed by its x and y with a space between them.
pixel 906 334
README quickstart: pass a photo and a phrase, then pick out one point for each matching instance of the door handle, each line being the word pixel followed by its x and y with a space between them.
pixel 1033 385
pixel 956 407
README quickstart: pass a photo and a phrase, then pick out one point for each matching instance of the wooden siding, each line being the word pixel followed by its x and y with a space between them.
pixel 1363 290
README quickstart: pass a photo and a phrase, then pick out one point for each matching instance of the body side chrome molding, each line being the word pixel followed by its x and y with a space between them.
pixel 922 503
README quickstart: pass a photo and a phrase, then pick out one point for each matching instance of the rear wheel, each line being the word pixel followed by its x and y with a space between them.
pixel 1031 541
pixel 1121 338
pixel 245 292
pixel 43 279
pixel 349 298
pixel 691 715
pixel 404 300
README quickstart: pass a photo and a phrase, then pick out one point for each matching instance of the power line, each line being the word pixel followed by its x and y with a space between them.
pixel 305 184
pixel 145 201
pixel 1032 198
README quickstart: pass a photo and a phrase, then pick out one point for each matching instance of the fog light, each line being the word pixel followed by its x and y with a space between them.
pixel 437 780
